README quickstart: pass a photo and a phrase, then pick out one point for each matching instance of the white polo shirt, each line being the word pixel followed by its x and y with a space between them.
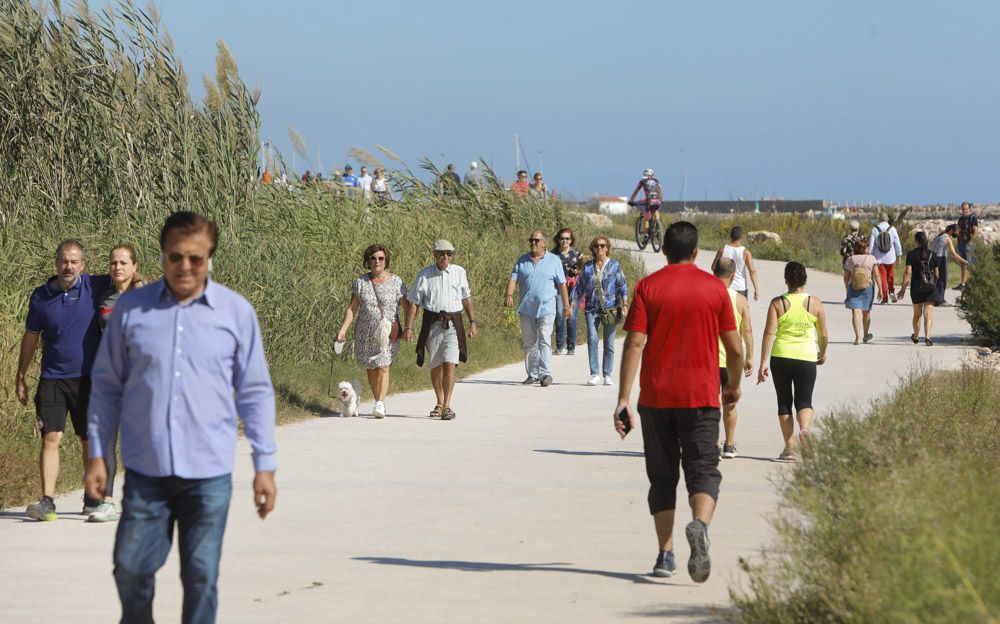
pixel 440 291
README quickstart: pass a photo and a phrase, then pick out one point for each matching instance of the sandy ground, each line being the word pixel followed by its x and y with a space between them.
pixel 527 507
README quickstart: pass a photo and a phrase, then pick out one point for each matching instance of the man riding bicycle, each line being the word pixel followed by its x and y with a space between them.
pixel 650 186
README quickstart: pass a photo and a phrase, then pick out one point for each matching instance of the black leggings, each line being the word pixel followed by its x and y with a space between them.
pixel 787 373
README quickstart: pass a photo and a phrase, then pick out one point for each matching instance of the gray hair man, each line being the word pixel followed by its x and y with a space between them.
pixel 442 290
pixel 725 270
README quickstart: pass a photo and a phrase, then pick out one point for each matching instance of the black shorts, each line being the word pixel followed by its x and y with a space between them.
pixel 675 438
pixel 794 381
pixel 723 378
pixel 55 397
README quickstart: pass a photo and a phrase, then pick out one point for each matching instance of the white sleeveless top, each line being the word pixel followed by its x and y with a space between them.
pixel 736 255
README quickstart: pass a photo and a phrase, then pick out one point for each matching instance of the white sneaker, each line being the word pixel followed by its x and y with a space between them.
pixel 608 381
pixel 105 512
pixel 594 380
pixel 379 410
pixel 561 351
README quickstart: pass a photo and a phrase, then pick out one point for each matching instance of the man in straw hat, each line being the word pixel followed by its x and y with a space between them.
pixel 442 290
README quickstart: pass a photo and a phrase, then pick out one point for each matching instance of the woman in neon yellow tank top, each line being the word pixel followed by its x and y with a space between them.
pixel 795 340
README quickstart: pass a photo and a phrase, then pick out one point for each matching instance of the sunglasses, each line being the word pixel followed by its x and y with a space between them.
pixel 444 253
pixel 535 240
pixel 565 238
pixel 177 258
pixel 599 246
pixel 377 258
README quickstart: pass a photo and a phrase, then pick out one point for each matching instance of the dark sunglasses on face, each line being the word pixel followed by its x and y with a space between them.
pixel 377 258
pixel 177 258
pixel 535 240
pixel 444 253
pixel 565 238
pixel 600 246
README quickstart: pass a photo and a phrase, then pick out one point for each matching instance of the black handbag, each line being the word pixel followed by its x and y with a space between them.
pixel 609 316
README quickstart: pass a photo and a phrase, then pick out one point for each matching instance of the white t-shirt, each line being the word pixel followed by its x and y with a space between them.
pixel 736 255
pixel 365 182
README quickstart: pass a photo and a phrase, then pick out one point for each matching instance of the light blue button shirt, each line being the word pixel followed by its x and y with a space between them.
pixel 175 377
pixel 537 284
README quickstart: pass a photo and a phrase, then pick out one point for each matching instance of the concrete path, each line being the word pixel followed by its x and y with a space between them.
pixel 525 508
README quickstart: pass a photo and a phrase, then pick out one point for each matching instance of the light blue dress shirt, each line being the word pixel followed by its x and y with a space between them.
pixel 175 377
pixel 537 284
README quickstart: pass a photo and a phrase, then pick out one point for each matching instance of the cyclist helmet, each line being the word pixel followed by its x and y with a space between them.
pixel 647 172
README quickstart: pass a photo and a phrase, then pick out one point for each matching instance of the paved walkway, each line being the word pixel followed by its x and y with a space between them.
pixel 527 507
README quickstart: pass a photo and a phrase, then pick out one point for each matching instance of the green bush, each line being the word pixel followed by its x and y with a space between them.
pixel 893 515
pixel 979 304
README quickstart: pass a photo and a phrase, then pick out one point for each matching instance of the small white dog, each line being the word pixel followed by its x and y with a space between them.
pixel 347 396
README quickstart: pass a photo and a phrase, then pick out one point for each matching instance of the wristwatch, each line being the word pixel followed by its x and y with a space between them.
pixel 472 321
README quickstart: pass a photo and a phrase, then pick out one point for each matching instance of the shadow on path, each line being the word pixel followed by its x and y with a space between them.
pixel 695 614
pixel 485 566
pixel 590 453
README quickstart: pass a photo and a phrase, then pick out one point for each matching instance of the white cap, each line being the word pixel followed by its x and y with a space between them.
pixel 473 165
pixel 443 245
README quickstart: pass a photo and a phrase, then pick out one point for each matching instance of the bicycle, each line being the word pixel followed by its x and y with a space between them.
pixel 653 233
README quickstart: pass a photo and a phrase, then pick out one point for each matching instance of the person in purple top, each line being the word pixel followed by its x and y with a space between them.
pixel 63 314
pixel 180 361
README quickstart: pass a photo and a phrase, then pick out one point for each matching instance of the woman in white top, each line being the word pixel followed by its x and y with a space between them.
pixel 741 256
pixel 380 188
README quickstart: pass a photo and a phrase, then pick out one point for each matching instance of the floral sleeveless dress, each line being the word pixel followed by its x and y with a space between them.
pixel 366 349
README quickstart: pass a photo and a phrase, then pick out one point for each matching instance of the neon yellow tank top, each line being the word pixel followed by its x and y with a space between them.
pixel 796 338
pixel 739 327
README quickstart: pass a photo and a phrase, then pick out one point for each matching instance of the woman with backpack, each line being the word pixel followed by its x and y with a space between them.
pixel 860 279
pixel 922 276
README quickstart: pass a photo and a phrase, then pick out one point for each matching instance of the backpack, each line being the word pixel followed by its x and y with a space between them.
pixel 861 278
pixel 927 273
pixel 884 240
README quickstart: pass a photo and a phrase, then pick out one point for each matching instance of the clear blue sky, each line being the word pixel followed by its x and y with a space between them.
pixel 892 101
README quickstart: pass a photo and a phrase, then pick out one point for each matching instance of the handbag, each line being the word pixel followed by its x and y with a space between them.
pixel 388 331
pixel 609 316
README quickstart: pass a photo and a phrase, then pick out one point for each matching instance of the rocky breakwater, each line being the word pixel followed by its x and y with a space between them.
pixel 989 231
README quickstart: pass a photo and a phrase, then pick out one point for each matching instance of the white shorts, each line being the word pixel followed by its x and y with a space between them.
pixel 442 345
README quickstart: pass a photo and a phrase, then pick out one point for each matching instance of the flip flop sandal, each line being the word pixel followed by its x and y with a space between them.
pixel 448 414
pixel 436 412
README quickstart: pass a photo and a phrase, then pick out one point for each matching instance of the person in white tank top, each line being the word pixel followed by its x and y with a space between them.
pixel 743 259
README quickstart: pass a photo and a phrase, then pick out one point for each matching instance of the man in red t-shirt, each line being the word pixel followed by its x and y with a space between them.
pixel 677 317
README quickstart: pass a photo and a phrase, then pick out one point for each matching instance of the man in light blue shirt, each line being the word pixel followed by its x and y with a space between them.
pixel 539 276
pixel 180 360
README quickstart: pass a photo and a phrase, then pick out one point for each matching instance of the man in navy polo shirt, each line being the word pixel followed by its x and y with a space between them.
pixel 63 313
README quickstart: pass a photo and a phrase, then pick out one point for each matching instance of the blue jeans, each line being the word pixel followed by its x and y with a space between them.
pixel 536 341
pixel 150 508
pixel 565 328
pixel 609 343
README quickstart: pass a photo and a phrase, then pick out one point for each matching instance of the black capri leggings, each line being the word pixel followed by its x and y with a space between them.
pixel 788 374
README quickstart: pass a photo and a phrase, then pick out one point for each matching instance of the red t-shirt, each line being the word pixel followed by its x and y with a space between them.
pixel 681 309
pixel 520 188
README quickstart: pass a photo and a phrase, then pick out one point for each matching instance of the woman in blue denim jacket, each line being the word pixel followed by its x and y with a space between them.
pixel 601 276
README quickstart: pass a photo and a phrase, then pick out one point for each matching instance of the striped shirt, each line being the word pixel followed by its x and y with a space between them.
pixel 440 291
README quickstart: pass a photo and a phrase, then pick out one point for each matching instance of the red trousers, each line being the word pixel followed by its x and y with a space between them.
pixel 885 274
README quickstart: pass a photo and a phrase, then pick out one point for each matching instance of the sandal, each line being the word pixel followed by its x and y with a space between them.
pixel 449 414
pixel 436 412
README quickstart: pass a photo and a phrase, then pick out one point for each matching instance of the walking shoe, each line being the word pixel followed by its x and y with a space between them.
pixel 666 565
pixel 529 381
pixel 913 337
pixel 43 510
pixel 728 451
pixel 700 564
pixel 892 297
pixel 546 381
pixel 105 512
pixel 570 351
pixel 959 287
pixel 868 338
pixel 379 410
pixel 928 342
pixel 561 351
pixel 594 380
pixel 608 381
pixel 89 509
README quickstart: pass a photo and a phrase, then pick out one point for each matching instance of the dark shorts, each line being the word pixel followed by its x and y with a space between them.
pixel 723 378
pixel 675 438
pixel 965 250
pixel 55 397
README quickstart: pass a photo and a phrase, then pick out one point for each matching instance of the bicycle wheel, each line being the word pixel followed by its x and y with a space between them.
pixel 655 236
pixel 641 239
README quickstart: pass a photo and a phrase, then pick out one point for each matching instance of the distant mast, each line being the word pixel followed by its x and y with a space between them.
pixel 517 152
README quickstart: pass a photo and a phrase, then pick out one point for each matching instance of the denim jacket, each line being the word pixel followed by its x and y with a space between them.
pixel 615 286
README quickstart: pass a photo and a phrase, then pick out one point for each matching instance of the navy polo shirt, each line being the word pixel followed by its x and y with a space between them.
pixel 67 322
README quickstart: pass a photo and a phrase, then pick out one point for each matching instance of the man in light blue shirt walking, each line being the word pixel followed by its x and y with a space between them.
pixel 539 276
pixel 180 360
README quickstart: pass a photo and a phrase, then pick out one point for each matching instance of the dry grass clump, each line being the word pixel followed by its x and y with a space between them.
pixel 893 517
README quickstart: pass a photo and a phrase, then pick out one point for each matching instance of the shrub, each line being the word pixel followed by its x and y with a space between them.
pixel 979 304
pixel 892 516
